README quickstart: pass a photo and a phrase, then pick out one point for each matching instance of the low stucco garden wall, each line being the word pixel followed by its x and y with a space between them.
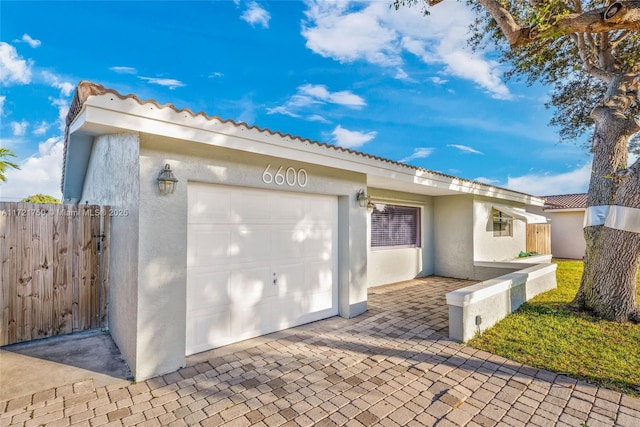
pixel 475 308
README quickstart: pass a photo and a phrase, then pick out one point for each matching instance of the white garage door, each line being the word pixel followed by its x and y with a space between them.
pixel 258 261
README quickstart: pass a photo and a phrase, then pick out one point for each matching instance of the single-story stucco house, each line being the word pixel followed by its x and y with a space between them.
pixel 263 230
pixel 566 214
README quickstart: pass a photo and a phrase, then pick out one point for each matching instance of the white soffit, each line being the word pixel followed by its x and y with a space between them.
pixel 521 214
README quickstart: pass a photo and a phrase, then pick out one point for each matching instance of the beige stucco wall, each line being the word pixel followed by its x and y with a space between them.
pixel 112 179
pixel 453 236
pixel 567 235
pixel 163 237
pixel 487 247
pixel 395 265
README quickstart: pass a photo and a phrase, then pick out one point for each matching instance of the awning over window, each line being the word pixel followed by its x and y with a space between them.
pixel 521 214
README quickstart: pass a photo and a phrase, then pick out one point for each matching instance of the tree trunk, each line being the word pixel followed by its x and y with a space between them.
pixel 608 285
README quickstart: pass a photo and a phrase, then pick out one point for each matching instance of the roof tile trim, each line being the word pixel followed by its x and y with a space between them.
pixel 566 201
pixel 86 89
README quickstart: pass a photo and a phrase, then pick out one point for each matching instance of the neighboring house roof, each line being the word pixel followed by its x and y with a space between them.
pixel 85 90
pixel 566 201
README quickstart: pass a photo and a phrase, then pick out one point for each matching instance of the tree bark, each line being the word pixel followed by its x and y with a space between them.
pixel 608 285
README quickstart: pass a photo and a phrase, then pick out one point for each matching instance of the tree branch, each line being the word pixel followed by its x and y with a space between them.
pixel 584 51
pixel 617 16
pixel 510 28
pixel 623 35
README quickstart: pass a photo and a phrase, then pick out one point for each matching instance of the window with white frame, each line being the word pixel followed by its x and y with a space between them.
pixel 395 226
pixel 502 224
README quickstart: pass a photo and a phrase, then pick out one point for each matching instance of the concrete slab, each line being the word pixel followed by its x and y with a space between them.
pixel 27 368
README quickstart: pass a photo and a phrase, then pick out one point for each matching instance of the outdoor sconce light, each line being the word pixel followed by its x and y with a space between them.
pixel 166 181
pixel 362 198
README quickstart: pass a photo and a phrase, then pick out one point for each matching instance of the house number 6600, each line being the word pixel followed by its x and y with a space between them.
pixel 290 176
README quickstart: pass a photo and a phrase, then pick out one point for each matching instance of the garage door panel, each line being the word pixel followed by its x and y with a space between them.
pixel 287 243
pixel 208 329
pixel 249 322
pixel 287 207
pixel 206 206
pixel 249 206
pixel 318 302
pixel 320 277
pixel 320 242
pixel 208 291
pixel 249 287
pixel 290 280
pixel 208 245
pixel 250 243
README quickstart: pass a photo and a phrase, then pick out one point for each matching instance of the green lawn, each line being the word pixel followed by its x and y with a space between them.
pixel 545 334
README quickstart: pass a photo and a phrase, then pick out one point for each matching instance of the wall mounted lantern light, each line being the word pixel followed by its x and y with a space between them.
pixel 167 183
pixel 362 198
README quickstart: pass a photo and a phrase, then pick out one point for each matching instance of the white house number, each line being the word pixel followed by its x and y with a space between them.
pixel 290 176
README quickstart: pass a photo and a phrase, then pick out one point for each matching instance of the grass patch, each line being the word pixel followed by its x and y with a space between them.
pixel 546 334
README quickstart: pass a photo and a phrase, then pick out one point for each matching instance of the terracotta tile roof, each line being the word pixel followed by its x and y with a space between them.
pixel 85 89
pixel 566 201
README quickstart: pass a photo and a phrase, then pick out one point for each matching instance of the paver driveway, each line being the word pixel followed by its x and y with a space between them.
pixel 392 366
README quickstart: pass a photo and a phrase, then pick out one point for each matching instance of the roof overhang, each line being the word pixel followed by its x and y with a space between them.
pixel 521 214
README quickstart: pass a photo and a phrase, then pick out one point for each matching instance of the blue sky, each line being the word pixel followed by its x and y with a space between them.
pixel 390 83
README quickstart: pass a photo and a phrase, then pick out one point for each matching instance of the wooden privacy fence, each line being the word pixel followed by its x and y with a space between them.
pixel 53 277
pixel 539 238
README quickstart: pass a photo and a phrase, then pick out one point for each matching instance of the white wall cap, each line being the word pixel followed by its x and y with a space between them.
pixel 483 290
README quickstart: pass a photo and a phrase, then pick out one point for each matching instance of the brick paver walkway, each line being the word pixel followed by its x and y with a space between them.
pixel 392 366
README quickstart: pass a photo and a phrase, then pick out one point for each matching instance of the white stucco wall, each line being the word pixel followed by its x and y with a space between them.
pixel 486 246
pixel 112 179
pixel 453 236
pixel 395 265
pixel 163 237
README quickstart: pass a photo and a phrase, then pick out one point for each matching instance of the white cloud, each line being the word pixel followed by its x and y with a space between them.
pixel 437 80
pixel 66 88
pixel 352 31
pixel 40 173
pixel 334 30
pixel 545 184
pixel 2 99
pixel 19 128
pixel 401 74
pixel 170 83
pixel 485 180
pixel 351 139
pixel 256 15
pixel 63 108
pixel 321 93
pixel 309 95
pixel 215 75
pixel 31 41
pixel 282 110
pixel 317 118
pixel 123 70
pixel 465 149
pixel 41 128
pixel 418 153
pixel 13 68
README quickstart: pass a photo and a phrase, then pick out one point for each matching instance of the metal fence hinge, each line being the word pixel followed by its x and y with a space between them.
pixel 101 236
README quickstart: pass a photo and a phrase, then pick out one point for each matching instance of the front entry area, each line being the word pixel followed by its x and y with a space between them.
pixel 258 261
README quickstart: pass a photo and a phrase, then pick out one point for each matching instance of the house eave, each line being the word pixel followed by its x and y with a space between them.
pixel 100 110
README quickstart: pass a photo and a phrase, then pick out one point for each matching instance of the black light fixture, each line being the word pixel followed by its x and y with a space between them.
pixel 167 183
pixel 362 198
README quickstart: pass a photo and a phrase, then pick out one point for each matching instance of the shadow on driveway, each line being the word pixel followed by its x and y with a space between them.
pixel 34 366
